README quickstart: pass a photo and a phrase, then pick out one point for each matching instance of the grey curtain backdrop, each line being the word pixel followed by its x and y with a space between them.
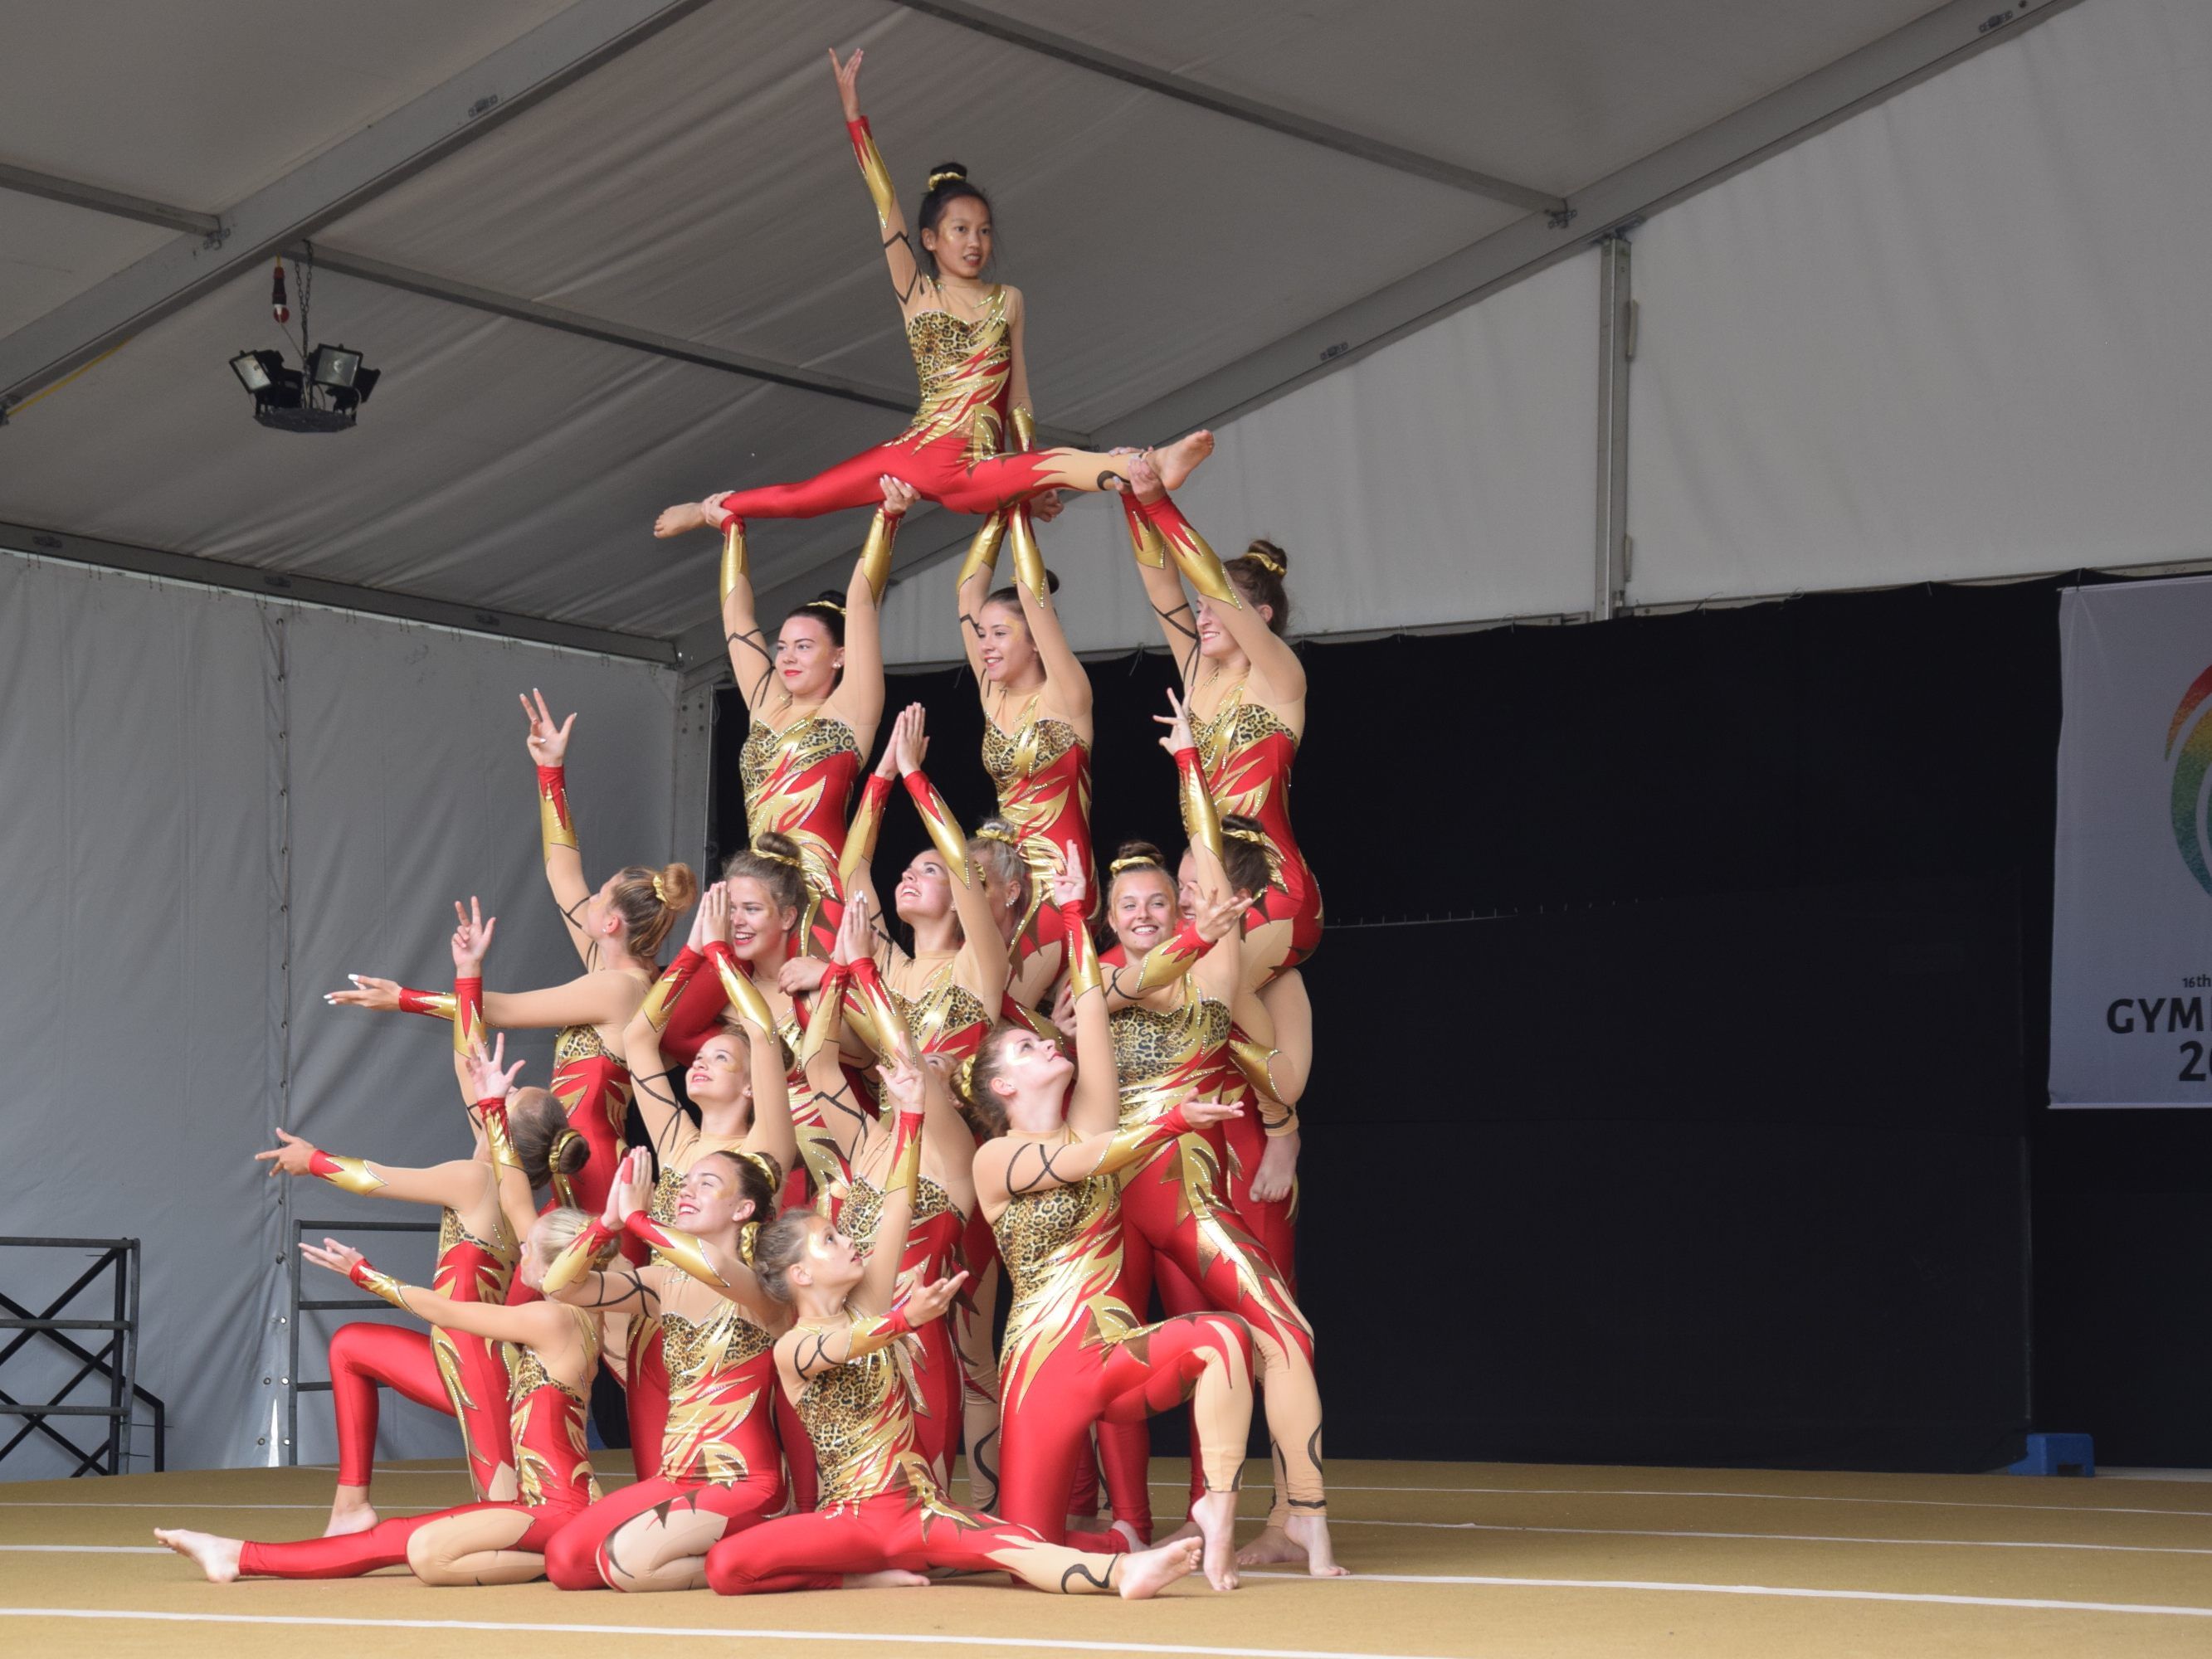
pixel 215 808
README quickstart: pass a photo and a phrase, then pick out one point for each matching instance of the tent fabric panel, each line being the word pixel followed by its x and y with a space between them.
pixel 1960 336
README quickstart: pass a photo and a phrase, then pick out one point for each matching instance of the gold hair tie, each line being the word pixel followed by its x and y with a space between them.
pixel 823 604
pixel 1266 561
pixel 946 176
pixel 659 892
pixel 1257 840
pixel 775 857
pixel 991 832
pixel 554 1154
pixel 748 1237
pixel 1140 862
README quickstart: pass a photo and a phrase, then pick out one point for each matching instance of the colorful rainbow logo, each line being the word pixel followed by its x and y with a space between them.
pixel 2194 760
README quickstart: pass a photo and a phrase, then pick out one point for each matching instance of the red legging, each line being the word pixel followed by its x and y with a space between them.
pixel 581 1557
pixel 645 1393
pixel 1270 1221
pixel 937 468
pixel 1045 1440
pixel 1236 1276
pixel 798 1454
pixel 894 1530
pixel 363 1355
pixel 385 1544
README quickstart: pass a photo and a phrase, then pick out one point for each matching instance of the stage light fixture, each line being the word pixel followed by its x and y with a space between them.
pixel 257 371
pixel 326 394
pixel 334 367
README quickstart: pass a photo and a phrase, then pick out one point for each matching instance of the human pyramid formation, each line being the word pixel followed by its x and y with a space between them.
pixel 797 1280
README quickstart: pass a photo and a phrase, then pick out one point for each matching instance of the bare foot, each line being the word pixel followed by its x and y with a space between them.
pixel 891 1578
pixel 680 519
pixel 1178 460
pixel 1150 1571
pixel 216 1557
pixel 1303 1538
pixel 348 1518
pixel 1215 1516
pixel 1145 479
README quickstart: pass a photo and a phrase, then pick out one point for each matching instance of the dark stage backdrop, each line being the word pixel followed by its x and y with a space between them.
pixel 1681 1038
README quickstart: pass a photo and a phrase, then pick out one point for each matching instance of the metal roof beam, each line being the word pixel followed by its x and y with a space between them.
pixel 1809 106
pixel 114 202
pixel 559 51
pixel 1067 49
pixel 363 268
pixel 343 596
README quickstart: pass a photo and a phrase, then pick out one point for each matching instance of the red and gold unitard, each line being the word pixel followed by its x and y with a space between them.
pixel 1178 1216
pixel 1247 747
pixel 448 1370
pixel 952 450
pixel 880 1508
pixel 1042 770
pixel 718 1453
pixel 1075 1354
pixel 798 782
pixel 546 1424
pixel 594 1089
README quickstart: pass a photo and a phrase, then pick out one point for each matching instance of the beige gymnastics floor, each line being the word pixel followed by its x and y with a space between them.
pixel 1450 1560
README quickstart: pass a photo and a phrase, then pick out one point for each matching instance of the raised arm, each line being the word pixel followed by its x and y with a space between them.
pixel 752 658
pixel 1163 586
pixel 983 950
pixel 772 1135
pixel 1063 669
pixel 860 694
pixel 556 828
pixel 1094 1099
pixel 575 1276
pixel 1281 676
pixel 844 1114
pixel 665 1125
pixel 898 252
pixel 977 571
pixel 904 1090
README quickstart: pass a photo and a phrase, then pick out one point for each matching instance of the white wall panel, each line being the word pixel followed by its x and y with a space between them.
pixel 1961 335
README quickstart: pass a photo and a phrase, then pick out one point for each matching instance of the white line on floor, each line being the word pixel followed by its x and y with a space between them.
pixel 1779 1537
pixel 180 1503
pixel 2037 1604
pixel 83 1549
pixel 1781 1496
pixel 710 1632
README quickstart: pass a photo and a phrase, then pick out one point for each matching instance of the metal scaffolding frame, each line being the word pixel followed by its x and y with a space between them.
pixel 115 1360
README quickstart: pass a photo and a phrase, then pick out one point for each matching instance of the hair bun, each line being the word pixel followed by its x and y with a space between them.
pixel 947 173
pixel 1267 553
pixel 677 886
pixel 774 843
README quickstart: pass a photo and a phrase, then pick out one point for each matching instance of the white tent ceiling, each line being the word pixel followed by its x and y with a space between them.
pixel 694 188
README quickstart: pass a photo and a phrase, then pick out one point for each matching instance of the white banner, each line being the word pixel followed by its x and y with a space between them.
pixel 2131 936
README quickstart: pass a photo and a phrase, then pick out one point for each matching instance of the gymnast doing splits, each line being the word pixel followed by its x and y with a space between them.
pixel 965 334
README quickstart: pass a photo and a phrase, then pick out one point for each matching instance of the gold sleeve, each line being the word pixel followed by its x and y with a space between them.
pixel 1028 557
pixel 876 552
pixel 1083 973
pixel 735 568
pixel 383 1285
pixel 744 996
pixel 350 1175
pixel 1200 822
pixel 1025 426
pixel 876 175
pixel 983 551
